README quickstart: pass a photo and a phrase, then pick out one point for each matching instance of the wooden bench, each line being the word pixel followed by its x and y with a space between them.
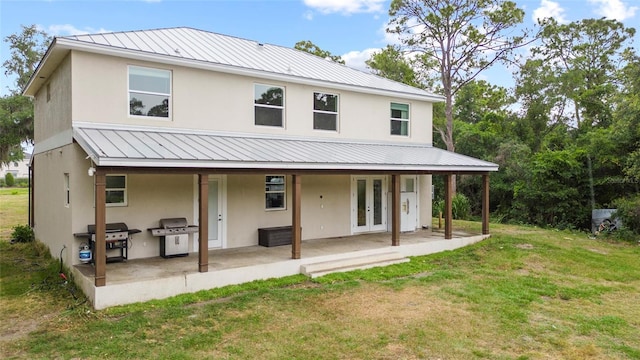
pixel 274 236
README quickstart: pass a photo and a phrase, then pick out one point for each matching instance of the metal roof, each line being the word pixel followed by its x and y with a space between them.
pixel 110 145
pixel 203 49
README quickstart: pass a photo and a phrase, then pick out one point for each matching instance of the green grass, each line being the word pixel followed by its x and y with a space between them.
pixel 525 293
pixel 13 210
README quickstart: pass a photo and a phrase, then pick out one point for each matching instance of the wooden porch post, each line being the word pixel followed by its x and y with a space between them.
pixel 203 221
pixel 296 236
pixel 485 204
pixel 395 210
pixel 100 248
pixel 448 211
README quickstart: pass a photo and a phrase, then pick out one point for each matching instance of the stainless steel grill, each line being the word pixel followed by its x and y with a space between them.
pixel 116 239
pixel 174 236
pixel 173 226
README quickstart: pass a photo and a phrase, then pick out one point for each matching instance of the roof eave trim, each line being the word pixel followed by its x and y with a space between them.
pixel 139 163
pixel 145 56
pixel 36 73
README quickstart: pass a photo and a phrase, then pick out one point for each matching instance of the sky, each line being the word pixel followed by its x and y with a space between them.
pixel 353 29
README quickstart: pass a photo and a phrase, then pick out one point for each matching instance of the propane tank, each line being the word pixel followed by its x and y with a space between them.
pixel 85 253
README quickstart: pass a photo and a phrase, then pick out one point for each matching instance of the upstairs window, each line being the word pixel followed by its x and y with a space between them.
pixel 149 92
pixel 116 190
pixel 275 192
pixel 325 111
pixel 400 119
pixel 269 105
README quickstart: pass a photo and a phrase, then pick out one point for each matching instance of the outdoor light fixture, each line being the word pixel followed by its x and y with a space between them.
pixel 91 171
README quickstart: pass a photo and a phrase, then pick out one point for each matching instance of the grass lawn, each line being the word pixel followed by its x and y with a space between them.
pixel 13 209
pixel 525 293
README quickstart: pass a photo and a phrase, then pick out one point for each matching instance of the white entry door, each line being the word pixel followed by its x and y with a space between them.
pixel 368 203
pixel 408 203
pixel 215 213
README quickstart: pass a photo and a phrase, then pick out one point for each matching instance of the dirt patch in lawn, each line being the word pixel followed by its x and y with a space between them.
pixel 524 246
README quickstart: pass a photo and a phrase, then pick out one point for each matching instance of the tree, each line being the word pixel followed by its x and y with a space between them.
pixel 477 99
pixel 554 191
pixel 391 64
pixel 577 63
pixel 16 111
pixel 16 126
pixel 27 49
pixel 543 109
pixel 463 37
pixel 627 116
pixel 160 110
pixel 311 48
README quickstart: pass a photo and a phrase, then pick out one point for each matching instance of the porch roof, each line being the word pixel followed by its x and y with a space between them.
pixel 128 146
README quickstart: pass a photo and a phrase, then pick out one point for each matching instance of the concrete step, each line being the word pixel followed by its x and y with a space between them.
pixel 318 269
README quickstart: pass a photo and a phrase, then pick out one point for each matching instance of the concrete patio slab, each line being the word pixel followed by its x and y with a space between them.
pixel 157 278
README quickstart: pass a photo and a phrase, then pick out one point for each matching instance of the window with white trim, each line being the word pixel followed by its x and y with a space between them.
pixel 275 190
pixel 67 190
pixel 149 92
pixel 325 111
pixel 116 190
pixel 269 105
pixel 400 119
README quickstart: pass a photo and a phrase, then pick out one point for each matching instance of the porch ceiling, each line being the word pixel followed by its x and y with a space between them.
pixel 151 147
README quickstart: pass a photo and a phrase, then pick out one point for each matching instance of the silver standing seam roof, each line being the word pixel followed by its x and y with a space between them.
pixel 129 146
pixel 120 145
pixel 207 50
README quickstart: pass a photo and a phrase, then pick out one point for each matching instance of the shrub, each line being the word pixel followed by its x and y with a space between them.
pixel 23 183
pixel 460 207
pixel 438 207
pixel 22 234
pixel 9 180
pixel 628 211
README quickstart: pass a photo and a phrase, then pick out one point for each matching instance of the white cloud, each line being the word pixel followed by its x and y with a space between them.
pixel 308 15
pixel 549 9
pixel 356 59
pixel 614 9
pixel 346 7
pixel 68 29
pixel 387 37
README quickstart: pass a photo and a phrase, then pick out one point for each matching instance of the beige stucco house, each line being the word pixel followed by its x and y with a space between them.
pixel 231 134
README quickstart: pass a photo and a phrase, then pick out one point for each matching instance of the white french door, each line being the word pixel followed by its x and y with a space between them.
pixel 368 203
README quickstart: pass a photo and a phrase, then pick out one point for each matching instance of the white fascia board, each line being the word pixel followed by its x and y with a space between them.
pixel 140 163
pixel 190 63
pixel 36 73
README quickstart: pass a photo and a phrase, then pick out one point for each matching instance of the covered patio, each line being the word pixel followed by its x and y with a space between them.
pixel 156 278
pixel 154 151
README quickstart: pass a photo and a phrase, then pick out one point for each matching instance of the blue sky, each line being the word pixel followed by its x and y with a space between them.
pixel 350 28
